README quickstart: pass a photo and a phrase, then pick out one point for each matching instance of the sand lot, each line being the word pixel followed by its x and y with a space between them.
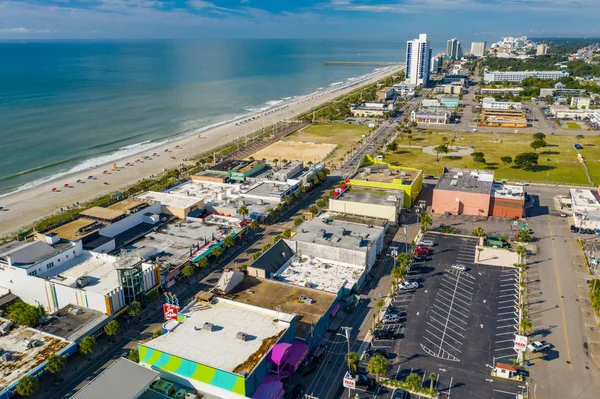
pixel 296 151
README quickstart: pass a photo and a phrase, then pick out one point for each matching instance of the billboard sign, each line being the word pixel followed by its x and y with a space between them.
pixel 349 382
pixel 520 343
pixel 170 312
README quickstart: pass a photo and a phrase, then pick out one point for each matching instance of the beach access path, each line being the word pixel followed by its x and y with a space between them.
pixel 23 208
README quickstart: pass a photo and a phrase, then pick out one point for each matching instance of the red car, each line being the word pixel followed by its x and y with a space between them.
pixel 422 251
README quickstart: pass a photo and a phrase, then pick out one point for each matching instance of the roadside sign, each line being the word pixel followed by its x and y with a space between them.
pixel 170 312
pixel 349 381
pixel 520 342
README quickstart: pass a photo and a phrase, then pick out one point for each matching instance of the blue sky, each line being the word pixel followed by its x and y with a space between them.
pixel 369 19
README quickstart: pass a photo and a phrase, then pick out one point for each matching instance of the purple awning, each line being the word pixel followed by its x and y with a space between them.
pixel 280 353
pixel 335 309
pixel 298 352
pixel 269 388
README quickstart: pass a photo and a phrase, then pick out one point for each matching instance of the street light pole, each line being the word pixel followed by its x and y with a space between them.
pixel 346 334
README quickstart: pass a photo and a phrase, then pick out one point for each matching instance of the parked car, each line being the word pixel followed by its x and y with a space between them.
pixel 578 147
pixel 538 346
pixel 390 318
pixel 420 258
pixel 574 229
pixel 408 285
pixel 400 393
pixel 383 334
pixel 459 266
pixel 427 243
pixel 563 215
pixel 590 231
pixel 422 251
pixel 521 183
pixel 363 380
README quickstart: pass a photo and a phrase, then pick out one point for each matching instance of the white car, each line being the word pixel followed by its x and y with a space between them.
pixel 521 183
pixel 427 243
pixel 538 346
pixel 390 318
pixel 408 285
pixel 459 266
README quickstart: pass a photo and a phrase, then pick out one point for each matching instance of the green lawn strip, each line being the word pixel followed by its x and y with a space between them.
pixel 573 125
pixel 344 135
pixel 557 163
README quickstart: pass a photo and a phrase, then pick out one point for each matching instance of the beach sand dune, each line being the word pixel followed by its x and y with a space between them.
pixel 24 207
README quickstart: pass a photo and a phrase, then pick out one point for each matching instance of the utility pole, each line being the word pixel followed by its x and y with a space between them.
pixel 346 334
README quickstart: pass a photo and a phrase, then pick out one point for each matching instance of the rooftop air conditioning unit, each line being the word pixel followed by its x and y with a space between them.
pixel 208 326
pixel 242 336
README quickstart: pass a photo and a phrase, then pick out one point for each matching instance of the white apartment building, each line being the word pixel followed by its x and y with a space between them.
pixel 478 48
pixel 491 103
pixel 518 76
pixel 418 57
pixel 454 49
pixel 542 49
pixel 581 102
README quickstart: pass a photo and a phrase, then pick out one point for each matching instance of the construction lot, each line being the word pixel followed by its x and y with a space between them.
pixel 457 323
pixel 296 151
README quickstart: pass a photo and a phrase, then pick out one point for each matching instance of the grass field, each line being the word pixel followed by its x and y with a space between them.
pixel 573 125
pixel 557 163
pixel 332 133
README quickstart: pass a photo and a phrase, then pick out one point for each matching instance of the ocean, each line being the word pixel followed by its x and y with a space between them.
pixel 69 106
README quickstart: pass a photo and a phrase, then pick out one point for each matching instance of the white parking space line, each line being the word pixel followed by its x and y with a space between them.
pixel 506 307
pixel 511 318
pixel 447 293
pixel 437 328
pixel 505 313
pixel 505 340
pixel 509 393
pixel 504 349
pixel 505 333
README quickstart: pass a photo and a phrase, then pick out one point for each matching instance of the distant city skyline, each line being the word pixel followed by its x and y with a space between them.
pixel 468 20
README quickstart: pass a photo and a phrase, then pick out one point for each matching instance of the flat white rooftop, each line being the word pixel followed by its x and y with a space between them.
pixel 319 274
pixel 220 348
pixel 337 233
pixel 170 200
pixel 508 192
pixel 207 191
pixel 584 198
pixel 99 270
pixel 25 359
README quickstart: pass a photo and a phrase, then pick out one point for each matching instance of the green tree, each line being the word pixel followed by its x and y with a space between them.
pixel 134 356
pixel 55 364
pixel 403 259
pixel 506 160
pixel 298 222
pixel 526 160
pixel 352 360
pixel 135 308
pixel 535 144
pixel 87 345
pixel 526 326
pixel 217 252
pixel 431 381
pixel 313 209
pixel 280 207
pixel 440 149
pixel 579 137
pixel 270 213
pixel 276 238
pixel 413 381
pixel 266 248
pixel 378 365
pixel 478 232
pixel 202 263
pixel 112 328
pixel 392 147
pixel 287 233
pixel 256 255
pixel 254 224
pixel 187 271
pixel 228 242
pixel 521 252
pixel 425 221
pixel 27 385
pixel 398 273
pixel 243 211
pixel 157 334
pixel 287 199
pixel 478 157
pixel 523 235
pixel 24 313
pixel 539 136
pixel 322 203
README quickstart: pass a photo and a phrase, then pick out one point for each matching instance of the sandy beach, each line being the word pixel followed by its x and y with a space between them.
pixel 22 208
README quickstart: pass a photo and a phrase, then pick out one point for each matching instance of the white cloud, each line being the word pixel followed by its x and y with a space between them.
pixel 23 30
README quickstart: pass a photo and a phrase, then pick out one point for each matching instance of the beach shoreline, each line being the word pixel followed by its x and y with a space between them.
pixel 25 206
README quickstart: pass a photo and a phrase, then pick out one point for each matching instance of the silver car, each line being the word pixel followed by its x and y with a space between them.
pixel 459 266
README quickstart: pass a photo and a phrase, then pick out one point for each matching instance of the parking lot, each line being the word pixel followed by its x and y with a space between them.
pixel 457 323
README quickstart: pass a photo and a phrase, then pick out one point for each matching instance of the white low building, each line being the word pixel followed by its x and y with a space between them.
pixel 565 112
pixel 491 103
pixel 519 76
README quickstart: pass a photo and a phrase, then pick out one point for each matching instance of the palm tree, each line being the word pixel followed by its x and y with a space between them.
pixel 409 137
pixel 479 251
pixel 134 356
pixel 431 381
pixel 287 199
pixel 403 259
pixel 425 221
pixel 254 224
pixel 266 248
pixel 525 326
pixel 352 361
pixel 313 209
pixel 398 274
pixel 413 381
pixel 271 213
pixel 276 238
pixel 298 222
pixel 287 233
pixel 112 328
pixel 135 308
pixel 521 252
pixel 87 345
pixel 243 211
pixel 378 365
pixel 322 203
pixel 27 385
pixel 55 364
pixel 275 161
pixel 478 232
